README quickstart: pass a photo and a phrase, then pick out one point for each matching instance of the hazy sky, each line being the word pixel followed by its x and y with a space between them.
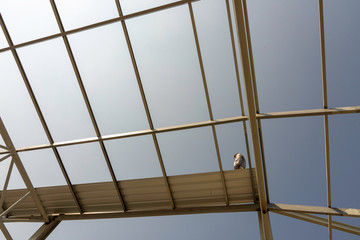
pixel 286 46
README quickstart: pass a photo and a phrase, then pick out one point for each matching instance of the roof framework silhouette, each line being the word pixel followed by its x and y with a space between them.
pixel 211 192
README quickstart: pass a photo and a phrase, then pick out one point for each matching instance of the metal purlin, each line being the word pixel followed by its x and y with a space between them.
pixel 271 115
pixel 208 102
pixel 326 118
pixel 99 24
pixel 87 102
pixel 40 115
pixel 146 107
pixel 212 123
pixel 237 72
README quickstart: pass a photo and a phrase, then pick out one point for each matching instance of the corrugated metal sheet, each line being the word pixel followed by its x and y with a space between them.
pixel 192 190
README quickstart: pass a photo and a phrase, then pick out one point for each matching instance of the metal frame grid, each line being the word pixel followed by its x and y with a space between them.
pixel 261 205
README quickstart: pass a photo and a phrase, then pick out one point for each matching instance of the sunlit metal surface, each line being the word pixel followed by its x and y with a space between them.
pixel 211 192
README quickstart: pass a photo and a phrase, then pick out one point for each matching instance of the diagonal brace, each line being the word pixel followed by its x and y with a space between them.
pixel 322 221
pixel 44 231
pixel 22 171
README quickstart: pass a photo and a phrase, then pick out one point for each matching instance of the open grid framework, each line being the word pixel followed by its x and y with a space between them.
pixel 261 203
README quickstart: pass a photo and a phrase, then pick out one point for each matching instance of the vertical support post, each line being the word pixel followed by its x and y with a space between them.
pixel 247 77
pixel 262 234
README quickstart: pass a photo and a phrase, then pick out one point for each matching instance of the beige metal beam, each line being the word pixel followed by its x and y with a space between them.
pixel 247 77
pixel 99 24
pixel 22 170
pixel 87 103
pixel 257 107
pixel 146 213
pixel 3 147
pixel 347 212
pixel 237 73
pixel 7 179
pixel 145 104
pixel 323 56
pixel 5 157
pixel 166 212
pixel 262 233
pixel 326 118
pixel 310 112
pixel 38 110
pixel 44 231
pixel 14 205
pixel 272 115
pixel 5 231
pixel 208 103
pixel 322 221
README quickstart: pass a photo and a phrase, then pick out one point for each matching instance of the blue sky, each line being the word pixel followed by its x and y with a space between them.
pixel 286 47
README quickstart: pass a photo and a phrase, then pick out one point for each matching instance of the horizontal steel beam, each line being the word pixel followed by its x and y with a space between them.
pixel 147 213
pixel 346 212
pixel 287 114
pixel 322 221
pixel 284 209
pixel 165 212
pixel 132 134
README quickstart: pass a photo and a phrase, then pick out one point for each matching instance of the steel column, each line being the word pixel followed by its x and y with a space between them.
pixel 245 60
pixel 237 73
pixel 257 108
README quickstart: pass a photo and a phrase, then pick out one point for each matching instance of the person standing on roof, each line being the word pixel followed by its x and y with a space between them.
pixel 239 161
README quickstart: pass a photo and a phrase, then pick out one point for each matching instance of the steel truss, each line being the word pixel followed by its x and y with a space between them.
pixel 261 203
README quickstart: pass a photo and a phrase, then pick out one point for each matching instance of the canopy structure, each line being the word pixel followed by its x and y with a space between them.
pixel 127 134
